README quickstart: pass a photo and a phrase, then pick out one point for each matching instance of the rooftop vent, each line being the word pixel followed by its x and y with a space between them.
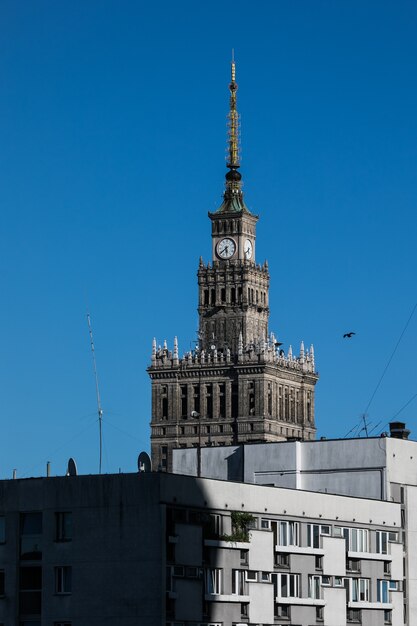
pixel 398 430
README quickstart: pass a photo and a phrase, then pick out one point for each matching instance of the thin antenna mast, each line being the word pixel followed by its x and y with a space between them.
pixel 365 425
pixel 99 409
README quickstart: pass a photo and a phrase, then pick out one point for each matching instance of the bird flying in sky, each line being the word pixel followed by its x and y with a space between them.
pixel 348 335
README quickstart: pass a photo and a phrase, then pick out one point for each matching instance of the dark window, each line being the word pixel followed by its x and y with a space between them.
pixel 319 562
pixel 63 579
pixel 222 400
pixel 30 590
pixel 183 390
pixel 213 296
pixel 31 536
pixel 235 399
pixel 209 401
pixel 233 295
pixel 269 399
pixel 165 407
pixel 206 297
pixel 2 529
pixel 63 526
pixel 251 398
pixel 196 393
pixel 239 294
pixel 223 294
pixel 1 582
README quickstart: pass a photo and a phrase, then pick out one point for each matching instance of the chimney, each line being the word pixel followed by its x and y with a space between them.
pixel 397 430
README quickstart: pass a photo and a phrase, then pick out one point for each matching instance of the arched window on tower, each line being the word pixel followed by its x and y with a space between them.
pixel 233 295
pixel 212 296
pixel 206 297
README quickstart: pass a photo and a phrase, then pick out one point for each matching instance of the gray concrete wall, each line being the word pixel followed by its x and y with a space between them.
pixel 115 552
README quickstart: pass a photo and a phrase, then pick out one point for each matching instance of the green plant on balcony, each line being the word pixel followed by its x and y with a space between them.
pixel 241 522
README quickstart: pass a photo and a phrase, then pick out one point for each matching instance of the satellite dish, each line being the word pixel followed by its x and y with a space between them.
pixel 144 462
pixel 72 468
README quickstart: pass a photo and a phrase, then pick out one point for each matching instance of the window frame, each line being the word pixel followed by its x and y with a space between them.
pixel 63 580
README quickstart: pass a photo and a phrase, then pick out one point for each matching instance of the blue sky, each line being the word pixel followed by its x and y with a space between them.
pixel 113 135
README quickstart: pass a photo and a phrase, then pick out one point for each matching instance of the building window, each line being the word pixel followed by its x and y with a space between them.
pixel 244 557
pixel 356 539
pixel 251 398
pixel 314 587
pixel 318 562
pixel 2 529
pixel 282 611
pixel 358 589
pixel 63 526
pixel 313 534
pixel 251 576
pixel 213 581
pixel 382 540
pixel 319 613
pixel 209 401
pixel 282 559
pixel 265 524
pixel 353 565
pixel 183 391
pixel 288 533
pixel 1 582
pixel 286 585
pixel 63 579
pixel 235 399
pixel 269 399
pixel 387 567
pixel 383 590
pixel 387 617
pixel 353 615
pixel 30 590
pixel 239 584
pixel 222 400
pixel 31 536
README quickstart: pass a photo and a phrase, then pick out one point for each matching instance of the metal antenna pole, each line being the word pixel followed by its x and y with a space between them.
pixel 365 424
pixel 99 409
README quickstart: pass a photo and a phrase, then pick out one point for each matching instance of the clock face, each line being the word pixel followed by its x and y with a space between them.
pixel 226 248
pixel 248 249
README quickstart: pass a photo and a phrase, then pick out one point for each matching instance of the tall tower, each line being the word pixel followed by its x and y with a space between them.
pixel 237 386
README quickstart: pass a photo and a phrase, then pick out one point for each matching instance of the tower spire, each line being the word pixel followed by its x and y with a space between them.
pixel 233 122
pixel 233 195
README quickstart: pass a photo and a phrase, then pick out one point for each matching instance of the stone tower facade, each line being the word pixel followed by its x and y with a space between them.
pixel 237 386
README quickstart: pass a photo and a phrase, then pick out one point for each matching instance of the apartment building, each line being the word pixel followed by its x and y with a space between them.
pixel 163 549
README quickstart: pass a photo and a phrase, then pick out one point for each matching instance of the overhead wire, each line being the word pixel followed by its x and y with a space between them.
pixel 357 426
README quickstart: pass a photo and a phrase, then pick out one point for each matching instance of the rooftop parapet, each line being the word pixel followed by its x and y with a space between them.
pixel 255 352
